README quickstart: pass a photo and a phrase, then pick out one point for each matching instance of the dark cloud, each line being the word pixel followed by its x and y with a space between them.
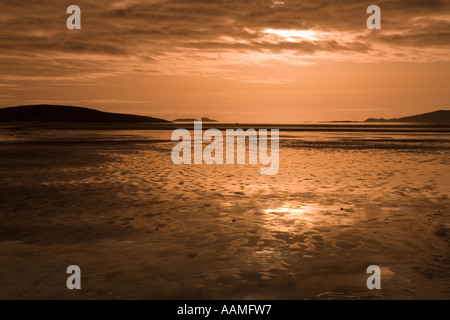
pixel 125 35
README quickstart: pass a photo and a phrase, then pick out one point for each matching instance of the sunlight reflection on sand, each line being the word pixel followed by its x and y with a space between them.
pixel 142 227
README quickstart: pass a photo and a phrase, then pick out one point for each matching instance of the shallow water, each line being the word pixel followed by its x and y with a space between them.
pixel 139 226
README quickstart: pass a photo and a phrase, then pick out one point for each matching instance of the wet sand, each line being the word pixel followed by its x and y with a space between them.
pixel 141 227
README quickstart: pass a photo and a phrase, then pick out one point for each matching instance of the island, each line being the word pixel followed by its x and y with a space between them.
pixel 204 119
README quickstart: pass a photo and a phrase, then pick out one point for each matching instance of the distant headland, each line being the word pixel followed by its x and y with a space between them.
pixel 58 113
pixel 435 117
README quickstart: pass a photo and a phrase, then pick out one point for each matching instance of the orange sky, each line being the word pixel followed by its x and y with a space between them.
pixel 237 61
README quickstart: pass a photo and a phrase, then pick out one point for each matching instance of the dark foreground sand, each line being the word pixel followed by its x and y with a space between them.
pixel 142 227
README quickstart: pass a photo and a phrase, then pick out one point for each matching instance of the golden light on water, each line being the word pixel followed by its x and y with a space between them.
pixel 293 217
pixel 290 211
pixel 290 217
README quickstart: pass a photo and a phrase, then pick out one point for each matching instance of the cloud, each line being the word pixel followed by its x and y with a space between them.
pixel 201 37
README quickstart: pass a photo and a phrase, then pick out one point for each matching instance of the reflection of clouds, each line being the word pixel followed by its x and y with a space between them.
pixel 269 259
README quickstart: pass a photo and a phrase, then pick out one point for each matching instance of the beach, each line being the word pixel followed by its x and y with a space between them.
pixel 140 227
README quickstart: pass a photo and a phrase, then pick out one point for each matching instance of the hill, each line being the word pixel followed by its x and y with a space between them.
pixel 436 117
pixel 56 113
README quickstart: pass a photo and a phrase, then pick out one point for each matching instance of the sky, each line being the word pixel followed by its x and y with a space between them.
pixel 260 61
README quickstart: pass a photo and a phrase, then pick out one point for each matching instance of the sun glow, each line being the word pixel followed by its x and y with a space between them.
pixel 295 35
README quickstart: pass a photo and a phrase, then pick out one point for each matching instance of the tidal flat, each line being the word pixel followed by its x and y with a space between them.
pixel 140 227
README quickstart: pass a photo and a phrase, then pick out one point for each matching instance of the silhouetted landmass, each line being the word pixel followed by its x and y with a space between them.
pixel 438 117
pixel 342 121
pixel 204 119
pixel 208 120
pixel 56 113
pixel 185 120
